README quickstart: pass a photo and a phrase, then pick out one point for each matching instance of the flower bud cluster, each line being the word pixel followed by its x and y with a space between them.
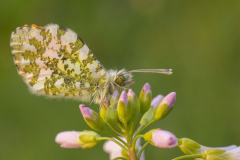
pixel 127 115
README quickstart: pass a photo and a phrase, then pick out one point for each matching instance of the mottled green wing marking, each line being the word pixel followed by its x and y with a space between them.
pixel 54 61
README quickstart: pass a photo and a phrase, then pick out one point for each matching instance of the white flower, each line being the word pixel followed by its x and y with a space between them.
pixel 227 148
pixel 233 154
pixel 68 139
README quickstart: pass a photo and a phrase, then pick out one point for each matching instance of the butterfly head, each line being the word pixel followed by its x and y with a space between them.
pixel 121 78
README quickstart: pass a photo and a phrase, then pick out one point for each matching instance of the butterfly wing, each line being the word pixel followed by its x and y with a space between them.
pixel 55 62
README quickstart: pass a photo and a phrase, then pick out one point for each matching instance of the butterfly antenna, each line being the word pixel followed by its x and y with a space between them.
pixel 160 71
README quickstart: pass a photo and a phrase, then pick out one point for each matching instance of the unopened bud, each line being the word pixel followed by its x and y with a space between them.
pixel 74 139
pixel 88 139
pixel 189 146
pixel 112 117
pixel 114 98
pixel 165 107
pixel 149 115
pixel 123 109
pixel 145 98
pixel 92 118
pixel 103 109
pixel 134 102
pixel 161 138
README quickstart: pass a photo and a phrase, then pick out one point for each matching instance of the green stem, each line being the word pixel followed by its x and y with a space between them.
pixel 120 125
pixel 116 137
pixel 120 158
pixel 131 126
pixel 142 149
pixel 136 123
pixel 142 127
pixel 135 140
pixel 141 115
pixel 126 128
pixel 104 138
pixel 115 130
pixel 190 156
pixel 131 151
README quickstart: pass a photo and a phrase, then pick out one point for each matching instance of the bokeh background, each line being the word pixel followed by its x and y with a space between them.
pixel 199 40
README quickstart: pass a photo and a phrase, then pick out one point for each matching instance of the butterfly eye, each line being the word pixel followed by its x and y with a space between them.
pixel 119 80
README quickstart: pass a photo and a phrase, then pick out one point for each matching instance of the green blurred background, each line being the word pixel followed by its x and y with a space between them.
pixel 199 40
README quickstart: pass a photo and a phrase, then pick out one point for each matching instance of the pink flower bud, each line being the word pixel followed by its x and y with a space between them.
pixel 164 139
pixel 131 93
pixel 124 98
pixel 134 103
pixel 145 98
pixel 156 100
pixel 124 110
pixel 147 88
pixel 169 99
pixel 68 139
pixel 86 112
pixel 105 103
pixel 92 118
pixel 115 94
pixel 114 99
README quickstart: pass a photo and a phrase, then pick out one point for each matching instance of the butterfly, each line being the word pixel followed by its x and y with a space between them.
pixel 55 62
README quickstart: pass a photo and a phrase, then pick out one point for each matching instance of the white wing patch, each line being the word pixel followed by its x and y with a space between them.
pixel 55 62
